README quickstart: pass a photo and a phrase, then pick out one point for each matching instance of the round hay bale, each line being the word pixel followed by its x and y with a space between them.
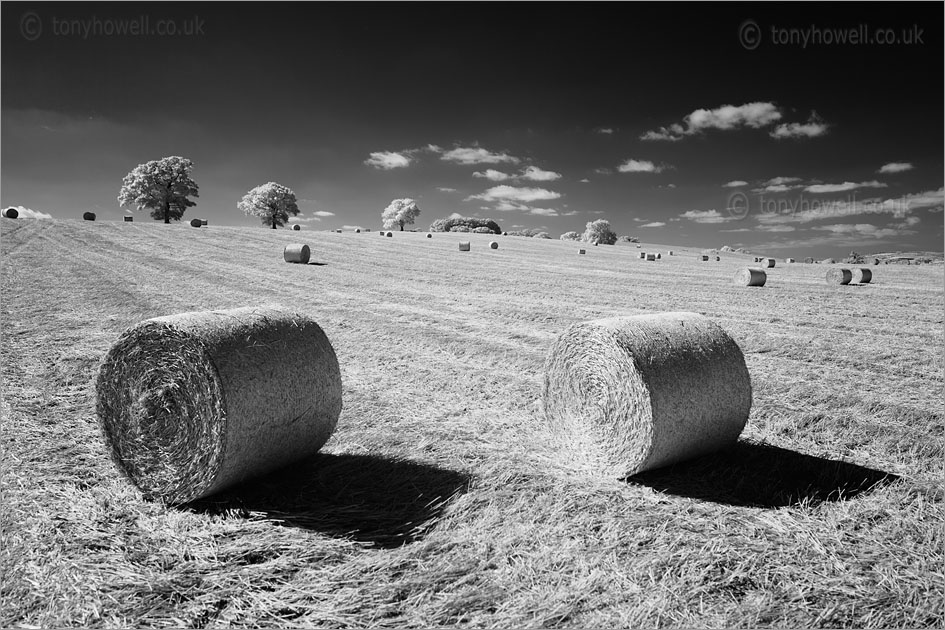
pixel 390 235
pixel 639 245
pixel 581 251
pixel 357 230
pixel 809 260
pixel 875 261
pixel 839 276
pixel 862 275
pixel 718 258
pixel 788 260
pixel 195 223
pixel 464 246
pixel 128 219
pixel 750 277
pixel 670 252
pixel 659 256
pixel 703 258
pixel 505 233
pixel 493 245
pixel 192 403
pixel 627 394
pixel 769 262
pixel 11 213
pixel 88 216
pixel 296 227
pixel 643 255
pixel 651 256
pixel 297 253
pixel 203 222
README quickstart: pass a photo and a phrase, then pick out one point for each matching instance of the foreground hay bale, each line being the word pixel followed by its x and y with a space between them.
pixel 769 262
pixel 493 245
pixel 464 246
pixel 195 223
pixel 861 275
pixel 190 404
pixel 297 253
pixel 839 276
pixel 627 394
pixel 128 219
pixel 750 277
pixel 88 216
pixel 11 213
pixel 296 227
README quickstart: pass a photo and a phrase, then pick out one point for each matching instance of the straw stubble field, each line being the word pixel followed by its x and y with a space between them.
pixel 440 499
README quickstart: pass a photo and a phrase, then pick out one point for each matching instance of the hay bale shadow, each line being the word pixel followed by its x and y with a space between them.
pixel 316 263
pixel 761 475
pixel 367 498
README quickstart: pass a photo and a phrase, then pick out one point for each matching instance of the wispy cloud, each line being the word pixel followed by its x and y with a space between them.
pixel 545 212
pixel 477 155
pixel 640 166
pixel 513 193
pixel 585 181
pixel 388 160
pixel 735 183
pixel 605 130
pixel 726 117
pixel 844 187
pixel 706 216
pixel 536 174
pixel 813 128
pixel 895 167
pixel 861 229
pixel 778 181
pixel 492 175
pixel 654 224
pixel 323 213
pixel 446 189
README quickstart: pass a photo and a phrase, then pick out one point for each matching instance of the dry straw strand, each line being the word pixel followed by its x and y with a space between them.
pixel 297 253
pixel 750 277
pixel 627 394
pixel 88 216
pixel 193 403
pixel 862 275
pixel 464 246
pixel 839 276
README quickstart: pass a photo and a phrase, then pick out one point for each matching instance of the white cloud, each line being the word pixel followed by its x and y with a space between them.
pixel 895 167
pixel 603 171
pixel 446 189
pixel 457 215
pixel 323 213
pixel 738 230
pixel 776 228
pixel 705 216
pixel 640 166
pixel 654 224
pixel 545 212
pixel 387 160
pixel 860 229
pixel 806 210
pixel 28 213
pixel 604 130
pixel 493 175
pixel 535 174
pixel 513 193
pixel 506 206
pixel 585 181
pixel 735 183
pixel 477 155
pixel 726 117
pixel 931 200
pixel 569 213
pixel 776 188
pixel 844 187
pixel 350 227
pixel 813 128
pixel 779 181
pixel 302 219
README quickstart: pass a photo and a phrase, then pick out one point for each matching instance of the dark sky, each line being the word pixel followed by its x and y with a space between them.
pixel 839 145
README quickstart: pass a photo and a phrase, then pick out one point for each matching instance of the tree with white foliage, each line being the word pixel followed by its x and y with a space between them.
pixel 161 186
pixel 271 202
pixel 400 212
pixel 599 232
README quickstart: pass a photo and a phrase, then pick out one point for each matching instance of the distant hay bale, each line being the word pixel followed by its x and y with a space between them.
pixel 862 275
pixel 429 235
pixel 659 256
pixel 750 277
pixel 382 233
pixel 702 257
pixel 839 276
pixel 88 216
pixel 493 245
pixel 464 246
pixel 203 222
pixel 390 235
pixel 651 256
pixel 874 261
pixel 643 255
pixel 338 231
pixel 769 262
pixel 193 403
pixel 627 394
pixel 670 252
pixel 828 261
pixel 128 219
pixel 296 227
pixel 11 213
pixel 788 260
pixel 718 258
pixel 297 253
pixel 505 233
pixel 809 260
pixel 195 223
pixel 582 251
pixel 357 230
pixel 639 246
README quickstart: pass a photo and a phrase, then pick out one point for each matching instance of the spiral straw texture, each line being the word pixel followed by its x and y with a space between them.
pixel 192 403
pixel 297 253
pixel 862 275
pixel 839 276
pixel 750 277
pixel 627 394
